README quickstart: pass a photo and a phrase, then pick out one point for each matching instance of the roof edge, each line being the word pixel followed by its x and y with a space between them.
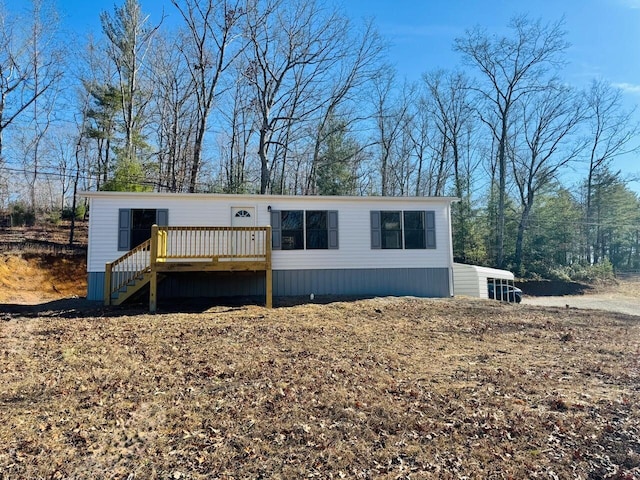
pixel 101 194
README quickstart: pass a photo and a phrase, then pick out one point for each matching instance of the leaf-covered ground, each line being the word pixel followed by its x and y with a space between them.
pixel 380 388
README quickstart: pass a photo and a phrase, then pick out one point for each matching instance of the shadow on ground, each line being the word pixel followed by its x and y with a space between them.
pixel 552 288
pixel 80 307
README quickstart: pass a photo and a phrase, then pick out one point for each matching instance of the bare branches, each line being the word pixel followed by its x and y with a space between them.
pixel 212 28
pixel 511 68
pixel 294 52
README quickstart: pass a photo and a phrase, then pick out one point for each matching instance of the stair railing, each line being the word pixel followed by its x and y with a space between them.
pixel 125 269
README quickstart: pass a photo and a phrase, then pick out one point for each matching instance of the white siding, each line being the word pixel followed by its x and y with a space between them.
pixel 471 280
pixel 465 280
pixel 354 230
pixel 354 227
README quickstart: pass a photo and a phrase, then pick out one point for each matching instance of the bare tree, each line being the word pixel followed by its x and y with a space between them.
pixel 358 66
pixel 237 133
pixel 46 61
pixel 420 144
pixel 29 66
pixel 452 114
pixel 612 133
pixel 293 47
pixel 391 114
pixel 551 119
pixel 452 111
pixel 212 27
pixel 176 115
pixel 510 68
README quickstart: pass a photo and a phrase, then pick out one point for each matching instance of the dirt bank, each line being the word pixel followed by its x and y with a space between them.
pixel 29 278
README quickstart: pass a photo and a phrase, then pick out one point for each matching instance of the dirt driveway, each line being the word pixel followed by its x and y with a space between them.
pixel 624 298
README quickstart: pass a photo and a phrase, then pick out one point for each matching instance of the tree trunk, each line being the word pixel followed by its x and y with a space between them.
pixel 502 187
pixel 522 226
pixel 197 155
pixel 264 170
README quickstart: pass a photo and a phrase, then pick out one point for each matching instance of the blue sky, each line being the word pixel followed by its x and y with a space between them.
pixel 604 37
pixel 604 34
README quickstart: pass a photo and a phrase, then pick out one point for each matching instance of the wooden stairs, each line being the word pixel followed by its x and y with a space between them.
pixel 128 274
pixel 133 287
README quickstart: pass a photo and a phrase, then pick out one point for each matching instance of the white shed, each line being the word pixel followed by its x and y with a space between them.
pixel 472 280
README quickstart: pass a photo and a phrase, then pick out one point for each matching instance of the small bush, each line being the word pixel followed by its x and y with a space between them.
pixel 67 213
pixel 54 217
pixel 599 272
pixel 560 274
pixel 22 216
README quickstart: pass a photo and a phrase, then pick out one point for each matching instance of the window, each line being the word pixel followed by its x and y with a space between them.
pixel 243 214
pixel 298 229
pixel 409 229
pixel 414 232
pixel 292 230
pixel 391 229
pixel 316 229
pixel 141 222
pixel 134 225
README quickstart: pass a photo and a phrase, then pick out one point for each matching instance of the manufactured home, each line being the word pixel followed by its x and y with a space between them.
pixel 210 245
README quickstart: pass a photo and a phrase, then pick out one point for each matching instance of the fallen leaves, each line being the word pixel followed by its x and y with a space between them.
pixel 384 388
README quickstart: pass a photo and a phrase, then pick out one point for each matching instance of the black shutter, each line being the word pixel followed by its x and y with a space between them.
pixel 124 228
pixel 276 230
pixel 162 217
pixel 376 230
pixel 332 228
pixel 430 228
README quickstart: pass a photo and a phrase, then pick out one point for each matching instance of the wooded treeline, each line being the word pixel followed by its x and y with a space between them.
pixel 273 96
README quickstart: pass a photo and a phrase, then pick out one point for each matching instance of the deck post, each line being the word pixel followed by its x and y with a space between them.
pixel 153 292
pixel 268 272
pixel 107 284
pixel 153 283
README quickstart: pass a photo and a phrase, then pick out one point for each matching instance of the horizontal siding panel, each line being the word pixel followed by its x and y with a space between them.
pixel 354 230
pixel 421 282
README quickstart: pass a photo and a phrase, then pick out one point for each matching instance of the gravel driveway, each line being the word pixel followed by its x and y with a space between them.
pixel 611 303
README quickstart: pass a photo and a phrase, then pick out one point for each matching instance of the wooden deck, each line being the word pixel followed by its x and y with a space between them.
pixel 189 249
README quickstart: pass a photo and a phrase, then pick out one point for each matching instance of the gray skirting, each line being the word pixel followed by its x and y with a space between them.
pixel 419 282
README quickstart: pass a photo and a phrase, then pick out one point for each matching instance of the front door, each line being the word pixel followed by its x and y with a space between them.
pixel 243 242
pixel 243 216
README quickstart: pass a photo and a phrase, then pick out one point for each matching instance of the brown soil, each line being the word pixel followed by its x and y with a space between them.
pixel 28 278
pixel 37 263
pixel 379 388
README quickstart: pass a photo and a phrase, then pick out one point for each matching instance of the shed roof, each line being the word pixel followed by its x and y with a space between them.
pixel 485 271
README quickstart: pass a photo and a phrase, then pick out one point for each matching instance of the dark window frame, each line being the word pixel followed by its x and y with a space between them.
pixel 408 238
pixel 316 230
pixel 391 237
pixel 330 231
pixel 292 238
pixel 415 231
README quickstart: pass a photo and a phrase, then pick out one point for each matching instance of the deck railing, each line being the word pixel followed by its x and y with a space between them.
pixel 186 244
pixel 214 243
